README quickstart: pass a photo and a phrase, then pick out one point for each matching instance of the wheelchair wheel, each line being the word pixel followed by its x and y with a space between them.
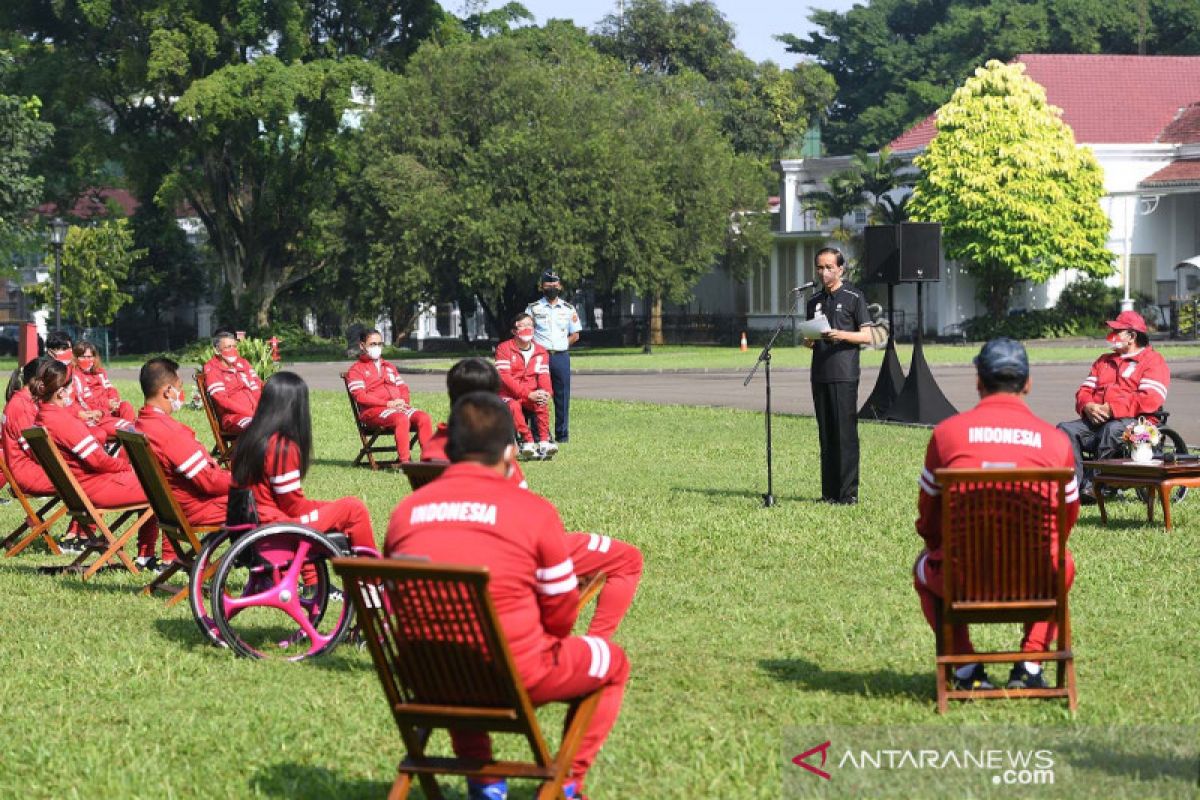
pixel 273 596
pixel 1171 442
pixel 212 550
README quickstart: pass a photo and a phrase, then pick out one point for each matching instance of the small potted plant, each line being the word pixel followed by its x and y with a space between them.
pixel 1142 437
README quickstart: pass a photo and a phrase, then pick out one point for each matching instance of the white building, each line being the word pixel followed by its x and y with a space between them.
pixel 1140 115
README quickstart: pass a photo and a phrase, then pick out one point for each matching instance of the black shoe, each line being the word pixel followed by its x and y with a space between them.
pixel 1020 678
pixel 852 500
pixel 978 679
pixel 72 544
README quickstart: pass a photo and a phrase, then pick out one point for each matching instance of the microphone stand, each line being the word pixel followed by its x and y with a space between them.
pixel 764 358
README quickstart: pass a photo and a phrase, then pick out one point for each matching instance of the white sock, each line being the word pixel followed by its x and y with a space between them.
pixel 965 671
pixel 1032 667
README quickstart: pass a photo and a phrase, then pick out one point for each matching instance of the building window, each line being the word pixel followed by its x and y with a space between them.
pixel 1142 269
pixel 860 216
pixel 760 289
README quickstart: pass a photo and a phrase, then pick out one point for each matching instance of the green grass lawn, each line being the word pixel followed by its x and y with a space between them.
pixel 749 621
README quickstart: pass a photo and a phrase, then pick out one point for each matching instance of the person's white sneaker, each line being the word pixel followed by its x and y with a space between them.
pixel 548 449
pixel 528 450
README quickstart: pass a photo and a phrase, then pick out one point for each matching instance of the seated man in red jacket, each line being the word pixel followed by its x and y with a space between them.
pixel 1000 431
pixel 1128 383
pixel 383 397
pixel 520 539
pixel 199 484
pixel 232 383
pixel 524 368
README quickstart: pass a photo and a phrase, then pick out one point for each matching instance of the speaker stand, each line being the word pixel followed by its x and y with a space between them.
pixel 921 401
pixel 891 377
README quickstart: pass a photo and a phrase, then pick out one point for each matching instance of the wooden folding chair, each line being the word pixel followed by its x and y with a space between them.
pixel 444 662
pixel 83 511
pixel 172 522
pixel 997 567
pixel 36 522
pixel 369 434
pixel 223 449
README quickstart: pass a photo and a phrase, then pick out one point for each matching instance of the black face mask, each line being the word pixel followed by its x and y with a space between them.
pixel 551 294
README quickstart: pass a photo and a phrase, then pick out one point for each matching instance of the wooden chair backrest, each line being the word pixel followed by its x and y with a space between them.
pixel 438 647
pixel 996 536
pixel 420 473
pixel 214 422
pixel 68 489
pixel 158 491
pixel 354 408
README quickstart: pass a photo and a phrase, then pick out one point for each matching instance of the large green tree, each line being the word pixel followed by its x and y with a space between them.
pixel 1016 198
pixel 763 108
pixel 493 159
pixel 240 110
pixel 897 60
pixel 22 136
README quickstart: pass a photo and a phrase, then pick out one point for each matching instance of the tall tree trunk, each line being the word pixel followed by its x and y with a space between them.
pixel 656 322
pixel 995 285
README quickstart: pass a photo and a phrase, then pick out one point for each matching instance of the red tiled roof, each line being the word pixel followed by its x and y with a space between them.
pixel 92 203
pixel 1177 173
pixel 1185 128
pixel 1105 99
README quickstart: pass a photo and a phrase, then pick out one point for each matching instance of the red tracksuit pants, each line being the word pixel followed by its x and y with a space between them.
pixel 541 415
pixel 109 489
pixel 621 564
pixel 348 515
pixel 33 481
pixel 578 665
pixel 400 423
pixel 927 580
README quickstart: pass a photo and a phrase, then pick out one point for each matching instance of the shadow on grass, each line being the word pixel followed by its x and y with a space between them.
pixel 1141 766
pixel 875 683
pixel 308 782
pixel 746 494
pixel 184 632
pixel 74 581
pixel 1138 523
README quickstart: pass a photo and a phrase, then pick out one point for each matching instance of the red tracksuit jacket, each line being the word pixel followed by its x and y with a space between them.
pixel 194 477
pixel 279 495
pixel 82 452
pixel 1133 386
pixel 374 384
pixel 21 413
pixel 234 389
pixel 471 515
pixel 94 391
pixel 1001 432
pixel 518 376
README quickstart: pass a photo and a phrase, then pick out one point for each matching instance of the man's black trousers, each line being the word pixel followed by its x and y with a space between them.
pixel 837 422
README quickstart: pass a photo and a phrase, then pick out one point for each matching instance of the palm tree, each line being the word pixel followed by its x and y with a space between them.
pixel 843 197
pixel 880 175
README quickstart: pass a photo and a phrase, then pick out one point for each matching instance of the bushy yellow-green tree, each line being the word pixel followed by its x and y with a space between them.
pixel 1016 198
pixel 96 260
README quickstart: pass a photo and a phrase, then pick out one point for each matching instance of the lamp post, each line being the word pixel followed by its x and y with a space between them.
pixel 58 235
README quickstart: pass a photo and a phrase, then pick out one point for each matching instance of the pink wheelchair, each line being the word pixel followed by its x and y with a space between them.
pixel 267 591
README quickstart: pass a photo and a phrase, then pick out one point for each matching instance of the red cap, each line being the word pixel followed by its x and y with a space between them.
pixel 1128 321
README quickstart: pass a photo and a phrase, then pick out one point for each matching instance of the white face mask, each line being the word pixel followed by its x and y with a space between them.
pixel 176 402
pixel 374 351
pixel 66 397
pixel 525 338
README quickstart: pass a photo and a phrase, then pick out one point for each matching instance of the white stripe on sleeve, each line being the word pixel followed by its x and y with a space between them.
pixel 82 444
pixel 558 587
pixel 285 488
pixel 601 656
pixel 286 477
pixel 560 570
pixel 928 484
pixel 93 447
pixel 197 456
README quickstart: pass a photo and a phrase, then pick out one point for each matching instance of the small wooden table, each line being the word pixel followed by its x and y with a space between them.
pixel 1156 477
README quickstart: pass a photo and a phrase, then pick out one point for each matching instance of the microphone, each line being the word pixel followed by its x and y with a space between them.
pixel 808 285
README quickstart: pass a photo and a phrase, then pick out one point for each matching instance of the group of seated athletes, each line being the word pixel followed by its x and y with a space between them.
pixel 533 561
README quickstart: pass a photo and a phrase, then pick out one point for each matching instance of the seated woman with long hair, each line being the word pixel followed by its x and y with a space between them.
pixel 107 481
pixel 272 457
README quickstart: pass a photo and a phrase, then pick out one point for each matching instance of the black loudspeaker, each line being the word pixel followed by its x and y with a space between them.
pixel 881 256
pixel 920 252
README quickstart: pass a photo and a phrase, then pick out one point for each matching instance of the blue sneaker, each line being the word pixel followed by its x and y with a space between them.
pixel 572 791
pixel 487 791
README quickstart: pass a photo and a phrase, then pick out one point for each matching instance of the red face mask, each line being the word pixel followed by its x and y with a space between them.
pixel 65 357
pixel 230 354
pixel 86 364
pixel 1114 339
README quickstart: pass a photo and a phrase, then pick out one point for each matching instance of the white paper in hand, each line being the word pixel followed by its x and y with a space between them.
pixel 813 328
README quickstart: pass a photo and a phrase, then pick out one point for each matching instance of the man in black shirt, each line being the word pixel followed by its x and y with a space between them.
pixel 835 376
